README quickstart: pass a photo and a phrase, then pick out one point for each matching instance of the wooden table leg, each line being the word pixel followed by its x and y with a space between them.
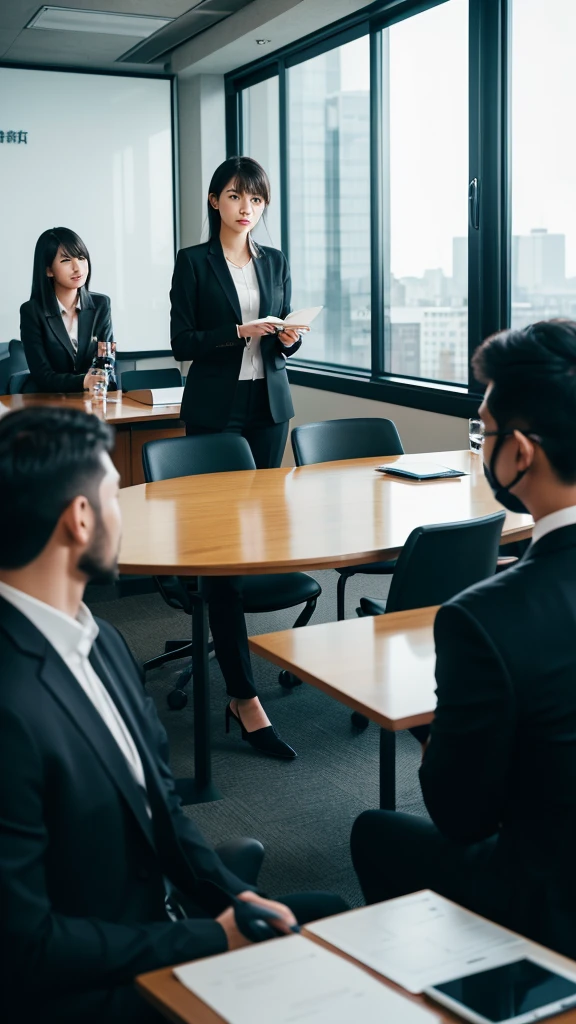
pixel 200 789
pixel 387 770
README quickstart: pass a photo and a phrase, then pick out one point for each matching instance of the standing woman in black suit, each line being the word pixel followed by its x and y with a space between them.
pixel 237 383
pixel 62 321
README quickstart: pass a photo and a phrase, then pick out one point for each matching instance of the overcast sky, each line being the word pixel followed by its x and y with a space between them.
pixel 429 127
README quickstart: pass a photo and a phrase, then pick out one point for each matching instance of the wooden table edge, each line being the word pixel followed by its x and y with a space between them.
pixel 148 983
pixel 390 724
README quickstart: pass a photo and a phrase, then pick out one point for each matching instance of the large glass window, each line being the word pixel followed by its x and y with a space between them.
pixel 261 140
pixel 329 201
pixel 543 161
pixel 425 103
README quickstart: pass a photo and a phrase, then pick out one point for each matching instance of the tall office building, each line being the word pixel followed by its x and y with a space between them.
pixel 540 288
pixel 538 263
pixel 330 209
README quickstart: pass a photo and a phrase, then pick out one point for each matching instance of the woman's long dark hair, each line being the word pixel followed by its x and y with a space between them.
pixel 44 255
pixel 247 175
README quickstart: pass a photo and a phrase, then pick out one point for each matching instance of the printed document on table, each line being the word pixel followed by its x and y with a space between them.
pixel 292 979
pixel 421 940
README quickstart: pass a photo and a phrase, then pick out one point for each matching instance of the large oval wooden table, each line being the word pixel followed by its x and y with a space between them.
pixel 282 520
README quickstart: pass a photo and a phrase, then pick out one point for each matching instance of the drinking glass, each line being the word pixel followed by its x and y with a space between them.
pixel 476 435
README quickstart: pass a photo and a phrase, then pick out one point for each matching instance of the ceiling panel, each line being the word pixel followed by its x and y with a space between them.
pixel 7 37
pixel 44 46
pixel 73 48
pixel 172 35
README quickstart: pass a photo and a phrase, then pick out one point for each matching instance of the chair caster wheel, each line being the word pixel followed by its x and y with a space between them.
pixel 359 722
pixel 288 681
pixel 176 700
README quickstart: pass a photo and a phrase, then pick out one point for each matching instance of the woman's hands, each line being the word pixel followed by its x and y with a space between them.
pixel 254 330
pixel 234 936
pixel 94 376
pixel 289 337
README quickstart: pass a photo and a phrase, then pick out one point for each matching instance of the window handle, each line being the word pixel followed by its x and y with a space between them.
pixel 474 204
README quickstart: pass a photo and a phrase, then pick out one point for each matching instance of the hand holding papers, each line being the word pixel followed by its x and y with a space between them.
pixel 291 980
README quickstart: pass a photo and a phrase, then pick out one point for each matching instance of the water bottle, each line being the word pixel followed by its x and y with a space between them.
pixel 105 359
pixel 103 369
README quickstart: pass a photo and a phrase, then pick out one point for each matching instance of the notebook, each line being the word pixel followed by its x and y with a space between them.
pixel 420 470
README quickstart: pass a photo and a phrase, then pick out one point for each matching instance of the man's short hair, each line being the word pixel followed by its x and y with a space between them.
pixel 534 376
pixel 48 456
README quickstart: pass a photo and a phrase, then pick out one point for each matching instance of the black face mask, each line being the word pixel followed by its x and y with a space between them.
pixel 501 493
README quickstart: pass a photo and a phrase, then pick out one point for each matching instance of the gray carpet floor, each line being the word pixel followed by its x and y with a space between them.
pixel 303 810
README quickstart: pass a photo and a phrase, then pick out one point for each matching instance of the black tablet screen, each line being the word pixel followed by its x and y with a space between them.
pixel 509 991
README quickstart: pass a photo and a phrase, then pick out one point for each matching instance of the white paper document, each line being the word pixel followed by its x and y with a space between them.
pixel 290 980
pixel 157 396
pixel 421 940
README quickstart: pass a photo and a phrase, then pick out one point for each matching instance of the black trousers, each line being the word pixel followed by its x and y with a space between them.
pixel 250 417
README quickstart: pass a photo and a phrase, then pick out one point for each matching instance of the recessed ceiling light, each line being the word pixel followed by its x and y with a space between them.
pixel 65 19
pixel 262 42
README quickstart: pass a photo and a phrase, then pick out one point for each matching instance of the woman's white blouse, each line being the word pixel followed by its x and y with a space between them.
pixel 246 284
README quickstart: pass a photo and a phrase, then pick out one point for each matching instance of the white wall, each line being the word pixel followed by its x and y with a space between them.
pixel 202 142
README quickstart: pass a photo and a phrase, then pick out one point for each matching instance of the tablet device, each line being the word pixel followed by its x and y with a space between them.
pixel 419 470
pixel 513 994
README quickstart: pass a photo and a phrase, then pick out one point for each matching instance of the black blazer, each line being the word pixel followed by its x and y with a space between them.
pixel 48 348
pixel 502 754
pixel 82 866
pixel 204 315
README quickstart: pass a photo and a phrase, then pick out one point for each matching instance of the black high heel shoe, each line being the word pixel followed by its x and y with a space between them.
pixel 265 741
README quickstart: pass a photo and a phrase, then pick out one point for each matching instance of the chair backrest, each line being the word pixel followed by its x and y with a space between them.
pixel 439 561
pixel 17 357
pixel 189 456
pixel 136 380
pixel 332 440
pixel 21 382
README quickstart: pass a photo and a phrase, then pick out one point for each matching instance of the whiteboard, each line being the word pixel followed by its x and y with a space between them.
pixel 97 159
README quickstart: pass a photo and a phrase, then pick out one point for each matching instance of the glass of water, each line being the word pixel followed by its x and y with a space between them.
pixel 476 435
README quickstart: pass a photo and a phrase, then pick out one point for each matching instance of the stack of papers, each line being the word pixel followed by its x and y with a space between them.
pixel 292 979
pixel 421 940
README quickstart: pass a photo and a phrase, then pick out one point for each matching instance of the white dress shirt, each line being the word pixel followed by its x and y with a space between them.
pixel 73 329
pixel 72 639
pixel 554 521
pixel 248 289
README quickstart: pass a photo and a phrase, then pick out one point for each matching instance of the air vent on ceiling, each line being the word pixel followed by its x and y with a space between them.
pixel 66 19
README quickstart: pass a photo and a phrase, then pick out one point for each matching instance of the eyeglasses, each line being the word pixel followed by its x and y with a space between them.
pixel 537 438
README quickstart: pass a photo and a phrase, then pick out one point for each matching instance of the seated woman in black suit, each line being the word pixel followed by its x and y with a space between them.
pixel 62 321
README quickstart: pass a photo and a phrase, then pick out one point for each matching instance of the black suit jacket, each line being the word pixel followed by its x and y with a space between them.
pixel 204 315
pixel 82 866
pixel 502 754
pixel 48 348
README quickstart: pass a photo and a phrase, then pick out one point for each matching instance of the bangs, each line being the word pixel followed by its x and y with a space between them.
pixel 71 243
pixel 251 181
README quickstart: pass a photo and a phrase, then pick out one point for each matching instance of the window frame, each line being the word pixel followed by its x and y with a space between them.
pixel 489 245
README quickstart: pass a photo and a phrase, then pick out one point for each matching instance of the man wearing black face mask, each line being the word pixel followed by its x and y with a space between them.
pixel 499 773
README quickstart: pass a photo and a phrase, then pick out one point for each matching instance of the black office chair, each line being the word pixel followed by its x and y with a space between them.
pixel 21 383
pixel 136 380
pixel 220 453
pixel 12 360
pixel 436 563
pixel 335 440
